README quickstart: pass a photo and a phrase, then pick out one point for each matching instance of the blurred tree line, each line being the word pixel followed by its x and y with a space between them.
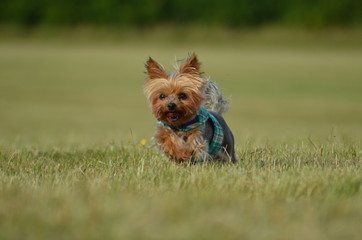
pixel 231 13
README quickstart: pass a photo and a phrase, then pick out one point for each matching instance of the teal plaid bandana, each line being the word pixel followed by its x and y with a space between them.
pixel 199 120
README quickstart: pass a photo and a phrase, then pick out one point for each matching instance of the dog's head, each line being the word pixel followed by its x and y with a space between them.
pixel 174 98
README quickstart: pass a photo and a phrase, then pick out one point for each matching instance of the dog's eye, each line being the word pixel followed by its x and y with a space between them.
pixel 182 96
pixel 162 96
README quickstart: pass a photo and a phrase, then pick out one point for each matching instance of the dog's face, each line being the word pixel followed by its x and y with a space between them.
pixel 176 98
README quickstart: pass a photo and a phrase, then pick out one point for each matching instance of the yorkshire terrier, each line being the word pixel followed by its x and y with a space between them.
pixel 188 108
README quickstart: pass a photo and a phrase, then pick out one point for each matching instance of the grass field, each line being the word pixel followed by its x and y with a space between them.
pixel 72 115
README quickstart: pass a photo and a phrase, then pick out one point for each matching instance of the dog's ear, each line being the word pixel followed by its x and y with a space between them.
pixel 191 65
pixel 154 69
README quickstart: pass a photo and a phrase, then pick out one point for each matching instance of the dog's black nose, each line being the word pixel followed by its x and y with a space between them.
pixel 171 106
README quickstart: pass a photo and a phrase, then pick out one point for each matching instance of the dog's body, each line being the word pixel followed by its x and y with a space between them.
pixel 188 108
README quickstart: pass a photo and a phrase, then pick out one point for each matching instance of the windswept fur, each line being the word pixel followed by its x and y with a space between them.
pixel 214 99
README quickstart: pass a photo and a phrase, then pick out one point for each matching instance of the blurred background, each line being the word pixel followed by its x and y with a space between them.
pixel 71 72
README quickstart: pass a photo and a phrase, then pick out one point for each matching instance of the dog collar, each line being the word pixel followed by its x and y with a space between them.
pixel 199 120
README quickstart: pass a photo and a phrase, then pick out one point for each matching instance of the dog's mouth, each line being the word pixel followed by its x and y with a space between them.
pixel 173 116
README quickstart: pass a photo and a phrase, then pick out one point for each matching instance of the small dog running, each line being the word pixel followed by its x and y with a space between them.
pixel 188 108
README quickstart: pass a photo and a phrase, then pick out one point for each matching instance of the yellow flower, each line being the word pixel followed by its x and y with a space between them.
pixel 142 142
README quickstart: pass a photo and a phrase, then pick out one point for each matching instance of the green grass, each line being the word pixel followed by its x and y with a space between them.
pixel 72 115
pixel 275 192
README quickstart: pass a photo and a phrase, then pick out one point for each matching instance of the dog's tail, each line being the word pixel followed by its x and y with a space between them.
pixel 214 99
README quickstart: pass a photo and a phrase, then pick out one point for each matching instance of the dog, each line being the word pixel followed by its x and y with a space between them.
pixel 188 108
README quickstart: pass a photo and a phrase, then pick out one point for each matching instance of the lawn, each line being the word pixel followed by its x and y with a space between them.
pixel 72 116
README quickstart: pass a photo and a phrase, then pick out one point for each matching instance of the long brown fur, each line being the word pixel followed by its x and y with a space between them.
pixel 180 146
